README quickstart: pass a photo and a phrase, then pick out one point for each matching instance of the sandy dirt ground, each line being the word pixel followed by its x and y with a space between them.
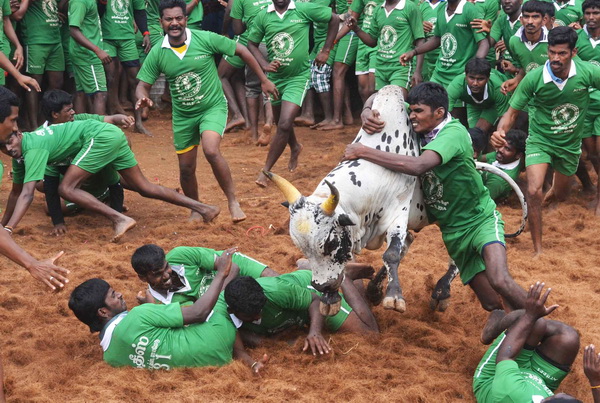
pixel 420 356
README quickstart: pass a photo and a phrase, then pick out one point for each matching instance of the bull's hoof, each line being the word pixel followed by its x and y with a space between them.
pixel 330 310
pixel 374 292
pixel 439 305
pixel 397 304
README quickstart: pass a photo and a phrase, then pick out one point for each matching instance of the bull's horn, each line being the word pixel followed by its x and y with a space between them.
pixel 329 205
pixel 289 191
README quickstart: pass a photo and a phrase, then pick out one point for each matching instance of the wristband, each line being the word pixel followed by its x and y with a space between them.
pixel 9 229
pixel 146 33
pixel 254 365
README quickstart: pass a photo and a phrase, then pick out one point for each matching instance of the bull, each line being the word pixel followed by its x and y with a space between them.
pixel 360 205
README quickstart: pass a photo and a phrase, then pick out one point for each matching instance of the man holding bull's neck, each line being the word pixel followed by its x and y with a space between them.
pixel 455 196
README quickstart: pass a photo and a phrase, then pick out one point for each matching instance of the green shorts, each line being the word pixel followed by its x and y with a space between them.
pixel 366 58
pixel 125 50
pixel 474 114
pixel 292 89
pixel 41 58
pixel 345 50
pixel 398 75
pixel 538 152
pixel 465 247
pixel 109 147
pixel 236 61
pixel 248 266
pixel 90 78
pixel 187 130
pixel 485 381
pixel 591 122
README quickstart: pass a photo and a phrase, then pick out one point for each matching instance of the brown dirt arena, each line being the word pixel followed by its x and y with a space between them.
pixel 420 357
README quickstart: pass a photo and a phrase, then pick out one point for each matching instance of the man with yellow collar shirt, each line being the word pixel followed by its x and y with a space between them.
pixel 199 106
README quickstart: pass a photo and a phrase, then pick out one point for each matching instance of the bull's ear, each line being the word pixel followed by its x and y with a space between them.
pixel 344 220
pixel 286 204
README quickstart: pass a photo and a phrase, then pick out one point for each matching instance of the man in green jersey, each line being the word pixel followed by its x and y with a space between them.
pixel 529 45
pixel 87 54
pixel 395 28
pixel 479 89
pixel 587 49
pixel 184 274
pixel 472 228
pixel 284 26
pixel 117 18
pixel 9 33
pixel 568 13
pixel 429 14
pixel 267 306
pixel 528 361
pixel 199 106
pixel 559 92
pixel 40 33
pixel 158 336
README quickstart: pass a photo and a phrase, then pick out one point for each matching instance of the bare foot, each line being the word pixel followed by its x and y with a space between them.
pixel 492 328
pixel 589 191
pixel 357 271
pixel 304 121
pixel 331 126
pixel 348 119
pixel 237 215
pixel 121 227
pixel 195 216
pixel 293 164
pixel 322 123
pixel 265 136
pixel 140 128
pixel 262 180
pixel 235 122
pixel 211 213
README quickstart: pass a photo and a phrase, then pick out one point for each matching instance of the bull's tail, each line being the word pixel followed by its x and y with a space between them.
pixel 482 166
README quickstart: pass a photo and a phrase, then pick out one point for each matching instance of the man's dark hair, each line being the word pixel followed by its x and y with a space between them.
pixel 590 4
pixel 7 100
pixel 164 4
pixel 536 6
pixel 430 94
pixel 53 101
pixel 245 296
pixel 85 301
pixel 478 66
pixel 478 138
pixel 148 258
pixel 517 139
pixel 560 35
pixel 549 9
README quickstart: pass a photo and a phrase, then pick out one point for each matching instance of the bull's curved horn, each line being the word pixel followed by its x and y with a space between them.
pixel 329 205
pixel 481 166
pixel 289 191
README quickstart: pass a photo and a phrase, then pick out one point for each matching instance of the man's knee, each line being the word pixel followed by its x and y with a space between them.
pixel 534 192
pixel 187 169
pixel 285 124
pixel 211 153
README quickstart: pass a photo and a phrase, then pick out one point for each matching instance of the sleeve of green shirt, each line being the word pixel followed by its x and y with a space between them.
pixel 35 164
pixel 162 315
pixel 219 44
pixel 257 30
pixel 595 76
pixel 497 186
pixel 316 13
pixel 292 297
pixel 455 90
pixel 88 116
pixel 237 10
pixel 416 21
pixel 139 5
pixel 473 13
pixel 150 70
pixel 496 31
pixel 6 11
pixel 18 172
pixel 515 56
pixel 188 255
pixel 446 145
pixel 76 13
pixel 524 93
pixel 357 6
pixel 440 14
pixel 374 30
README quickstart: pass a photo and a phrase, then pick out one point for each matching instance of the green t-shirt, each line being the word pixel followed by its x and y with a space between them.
pixel 341 6
pixel 83 14
pixel 453 33
pixel 396 32
pixel 40 25
pixel 526 55
pixel 4 11
pixel 196 16
pixel 53 144
pixel 154 337
pixel 454 193
pixel 287 305
pixel 117 21
pixel 246 10
pixel 568 12
pixel 287 37
pixel 589 52
pixel 494 102
pixel 514 384
pixel 153 16
pixel 498 187
pixel 366 9
pixel 558 120
pixel 429 13
pixel 503 29
pixel 489 8
pixel 192 75
pixel 196 269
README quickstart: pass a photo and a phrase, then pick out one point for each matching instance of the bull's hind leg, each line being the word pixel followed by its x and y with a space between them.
pixel 397 248
pixel 440 297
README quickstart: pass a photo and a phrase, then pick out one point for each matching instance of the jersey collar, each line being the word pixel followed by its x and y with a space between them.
pixel 188 39
pixel 560 7
pixel 271 8
pixel 507 167
pixel 459 10
pixel 107 332
pixel 180 271
pixel 512 24
pixel 485 94
pixel 429 137
pixel 549 77
pixel 399 6
pixel 593 41
pixel 521 35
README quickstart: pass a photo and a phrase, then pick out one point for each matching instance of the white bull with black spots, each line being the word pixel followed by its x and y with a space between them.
pixel 360 205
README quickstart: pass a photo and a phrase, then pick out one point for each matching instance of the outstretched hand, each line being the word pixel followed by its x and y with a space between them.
pixel 535 304
pixel 371 122
pixel 260 364
pixel 591 365
pixel 223 263
pixel 317 343
pixel 498 140
pixel 143 103
pixel 48 273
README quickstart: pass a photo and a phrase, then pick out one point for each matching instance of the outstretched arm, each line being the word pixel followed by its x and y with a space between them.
pixel 22 204
pixel 315 339
pixel 483 47
pixel 240 353
pixel 506 123
pixel 399 163
pixel 266 85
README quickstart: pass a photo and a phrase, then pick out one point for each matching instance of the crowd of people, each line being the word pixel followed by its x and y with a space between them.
pixel 509 83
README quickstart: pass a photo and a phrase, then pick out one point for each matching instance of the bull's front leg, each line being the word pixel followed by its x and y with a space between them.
pixel 440 297
pixel 397 248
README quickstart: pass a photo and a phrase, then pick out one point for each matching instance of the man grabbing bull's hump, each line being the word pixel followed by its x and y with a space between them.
pixel 455 197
